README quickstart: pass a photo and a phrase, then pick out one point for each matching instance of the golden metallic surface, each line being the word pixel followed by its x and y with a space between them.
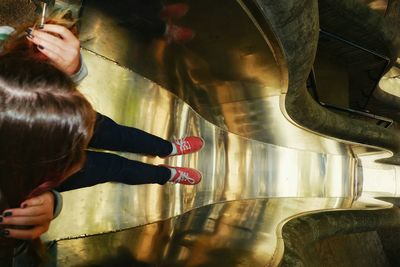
pixel 259 169
pixel 379 180
pixel 377 5
pixel 237 233
pixel 233 167
pixel 390 82
pixel 226 79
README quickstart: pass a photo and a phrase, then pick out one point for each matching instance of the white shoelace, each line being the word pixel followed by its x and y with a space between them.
pixel 184 176
pixel 183 144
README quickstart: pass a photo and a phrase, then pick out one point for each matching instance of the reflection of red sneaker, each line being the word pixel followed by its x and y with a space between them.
pixel 187 145
pixel 174 11
pixel 186 176
pixel 179 35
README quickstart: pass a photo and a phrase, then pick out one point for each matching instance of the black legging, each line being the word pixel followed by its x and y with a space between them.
pixel 105 167
pixel 142 17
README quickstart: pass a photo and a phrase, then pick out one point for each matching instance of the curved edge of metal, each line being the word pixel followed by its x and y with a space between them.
pixel 298 40
pixel 233 167
pixel 362 204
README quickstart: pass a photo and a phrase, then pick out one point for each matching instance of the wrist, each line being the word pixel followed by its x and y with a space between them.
pixel 81 73
pixel 58 203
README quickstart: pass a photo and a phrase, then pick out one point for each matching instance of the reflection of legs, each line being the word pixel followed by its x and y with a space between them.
pixel 147 7
pixel 104 167
pixel 144 18
pixel 112 136
pixel 146 28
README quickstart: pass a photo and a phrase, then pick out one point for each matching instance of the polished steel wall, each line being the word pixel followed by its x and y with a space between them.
pixel 379 180
pixel 236 233
pixel 227 86
pixel 233 167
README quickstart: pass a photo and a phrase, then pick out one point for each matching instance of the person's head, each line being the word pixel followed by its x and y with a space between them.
pixel 45 125
pixel 45 122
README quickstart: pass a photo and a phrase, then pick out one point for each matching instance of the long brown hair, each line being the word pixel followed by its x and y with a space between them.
pixel 45 125
pixel 45 122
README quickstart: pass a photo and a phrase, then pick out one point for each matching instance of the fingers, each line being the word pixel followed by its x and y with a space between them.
pixel 62 31
pixel 45 198
pixel 36 206
pixel 25 212
pixel 36 212
pixel 32 233
pixel 57 35
pixel 59 45
pixel 38 200
pixel 44 38
pixel 54 48
pixel 52 51
pixel 53 54
pixel 24 220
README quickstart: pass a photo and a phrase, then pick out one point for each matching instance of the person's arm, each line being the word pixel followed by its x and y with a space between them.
pixel 5 33
pixel 62 47
pixel 36 212
pixel 81 74
pixel 58 203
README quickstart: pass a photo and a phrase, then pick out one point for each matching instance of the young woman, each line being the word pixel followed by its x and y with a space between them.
pixel 46 125
pixel 40 210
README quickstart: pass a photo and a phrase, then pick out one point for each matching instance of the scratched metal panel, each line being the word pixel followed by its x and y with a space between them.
pixel 237 233
pixel 233 167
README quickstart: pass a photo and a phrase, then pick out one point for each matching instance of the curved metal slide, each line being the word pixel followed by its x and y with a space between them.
pixel 260 168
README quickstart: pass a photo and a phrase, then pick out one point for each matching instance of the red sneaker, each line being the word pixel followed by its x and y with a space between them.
pixel 187 145
pixel 177 34
pixel 174 11
pixel 186 176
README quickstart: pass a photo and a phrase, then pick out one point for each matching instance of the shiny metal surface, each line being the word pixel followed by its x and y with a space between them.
pixel 237 233
pixel 379 180
pixel 226 79
pixel 216 61
pixel 233 167
pixel 391 81
pixel 226 86
pixel 377 5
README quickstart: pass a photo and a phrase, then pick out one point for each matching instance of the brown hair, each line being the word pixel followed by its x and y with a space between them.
pixel 45 125
pixel 39 105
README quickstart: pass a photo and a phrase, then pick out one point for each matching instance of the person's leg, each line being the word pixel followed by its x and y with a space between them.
pixel 105 167
pixel 149 8
pixel 143 19
pixel 112 136
pixel 146 28
pixel 174 11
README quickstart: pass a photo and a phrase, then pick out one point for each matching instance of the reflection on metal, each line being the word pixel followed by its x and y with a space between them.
pixel 378 5
pixel 381 62
pixel 379 180
pixel 227 90
pixel 237 233
pixel 390 83
pixel 216 62
pixel 233 167
pixel 226 79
